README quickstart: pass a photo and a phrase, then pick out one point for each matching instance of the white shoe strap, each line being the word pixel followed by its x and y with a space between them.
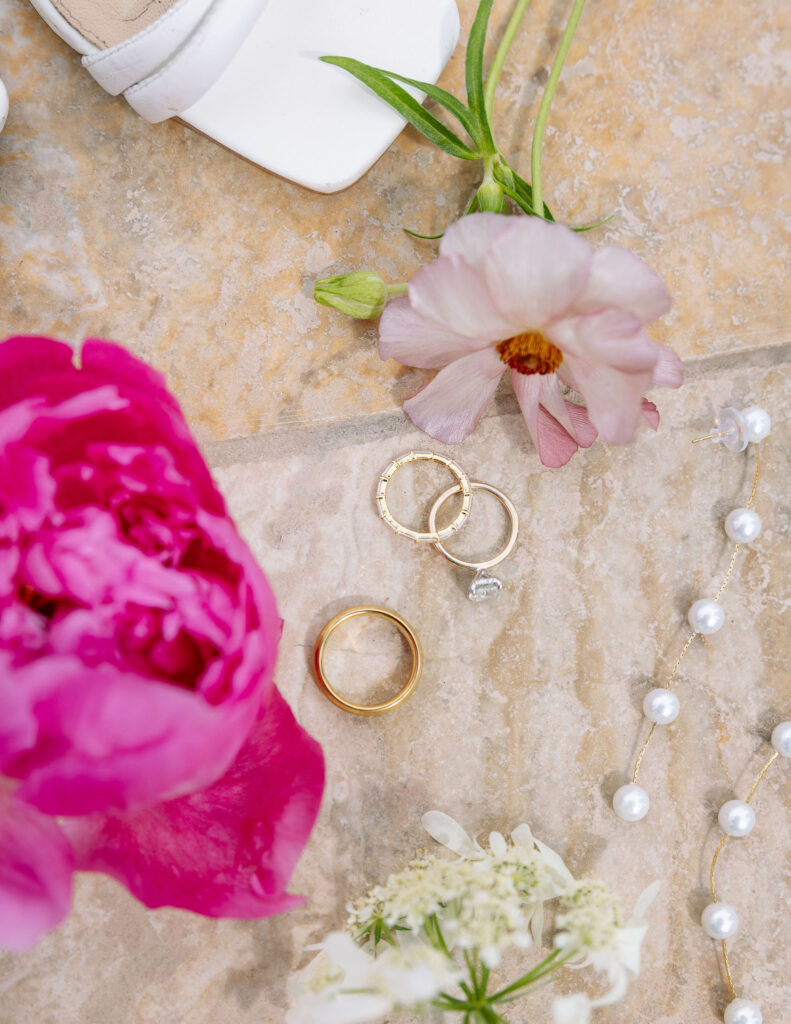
pixel 125 64
pixel 168 66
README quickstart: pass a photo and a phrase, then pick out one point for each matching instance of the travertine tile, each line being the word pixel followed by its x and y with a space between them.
pixel 672 116
pixel 528 710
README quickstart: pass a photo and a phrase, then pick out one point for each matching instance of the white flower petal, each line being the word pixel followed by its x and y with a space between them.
pixel 574 1009
pixel 619 278
pixel 669 370
pixel 554 444
pixel 611 337
pixel 497 844
pixel 450 407
pixel 413 340
pixel 536 271
pixel 471 237
pixel 453 294
pixel 448 832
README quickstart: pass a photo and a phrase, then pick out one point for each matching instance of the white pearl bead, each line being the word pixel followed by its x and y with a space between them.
pixel 742 1011
pixel 631 802
pixel 736 818
pixel 781 739
pixel 706 616
pixel 743 525
pixel 720 921
pixel 757 423
pixel 661 706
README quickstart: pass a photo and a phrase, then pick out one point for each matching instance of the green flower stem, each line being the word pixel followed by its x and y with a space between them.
pixel 547 966
pixel 546 102
pixel 502 52
pixel 397 289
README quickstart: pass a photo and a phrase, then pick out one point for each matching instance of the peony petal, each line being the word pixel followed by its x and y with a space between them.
pixel 669 370
pixel 413 340
pixel 25 360
pixel 554 442
pixel 471 237
pixel 453 294
pixel 619 278
pixel 614 399
pixel 106 739
pixel 535 271
pixel 451 406
pixel 36 866
pixel 225 851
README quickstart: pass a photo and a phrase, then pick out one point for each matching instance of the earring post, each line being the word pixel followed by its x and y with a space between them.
pixel 709 437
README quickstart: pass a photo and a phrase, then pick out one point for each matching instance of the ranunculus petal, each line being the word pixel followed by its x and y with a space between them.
pixel 451 293
pixel 450 407
pixel 25 360
pixel 621 279
pixel 554 441
pixel 406 335
pixel 470 237
pixel 36 866
pixel 535 271
pixel 228 850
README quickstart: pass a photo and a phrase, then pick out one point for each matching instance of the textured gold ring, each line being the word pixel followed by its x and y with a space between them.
pixel 320 649
pixel 434 535
pixel 507 504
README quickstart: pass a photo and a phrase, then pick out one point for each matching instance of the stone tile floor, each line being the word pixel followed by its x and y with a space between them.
pixel 529 708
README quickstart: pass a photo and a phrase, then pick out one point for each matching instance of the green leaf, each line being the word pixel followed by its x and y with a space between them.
pixel 598 224
pixel 473 68
pixel 406 105
pixel 524 190
pixel 425 238
pixel 443 97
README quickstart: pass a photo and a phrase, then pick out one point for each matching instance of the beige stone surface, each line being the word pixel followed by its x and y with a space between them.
pixel 672 116
pixel 529 707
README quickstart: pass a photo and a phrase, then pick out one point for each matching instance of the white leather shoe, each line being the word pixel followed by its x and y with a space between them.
pixel 246 72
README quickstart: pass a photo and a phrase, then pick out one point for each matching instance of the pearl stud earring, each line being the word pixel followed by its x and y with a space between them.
pixel 736 430
pixel 720 921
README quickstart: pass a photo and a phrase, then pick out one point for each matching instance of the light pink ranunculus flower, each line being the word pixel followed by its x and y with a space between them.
pixel 140 731
pixel 521 294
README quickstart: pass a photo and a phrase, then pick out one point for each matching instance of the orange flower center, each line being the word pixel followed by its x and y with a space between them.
pixel 530 353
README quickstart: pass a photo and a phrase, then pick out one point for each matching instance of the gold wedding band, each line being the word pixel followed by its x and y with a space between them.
pixel 320 649
pixel 507 504
pixel 434 535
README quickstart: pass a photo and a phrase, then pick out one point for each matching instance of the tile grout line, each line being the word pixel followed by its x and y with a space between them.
pixel 286 439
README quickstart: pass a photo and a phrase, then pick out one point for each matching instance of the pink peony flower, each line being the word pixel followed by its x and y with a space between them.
pixel 140 730
pixel 532 297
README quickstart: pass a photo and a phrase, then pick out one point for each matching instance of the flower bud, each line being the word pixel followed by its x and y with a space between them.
pixel 361 294
pixel 491 197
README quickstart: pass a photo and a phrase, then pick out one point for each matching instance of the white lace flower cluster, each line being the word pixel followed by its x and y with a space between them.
pixel 398 950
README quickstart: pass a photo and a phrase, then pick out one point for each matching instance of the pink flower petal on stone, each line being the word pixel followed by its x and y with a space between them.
pixel 613 397
pixel 610 337
pixel 621 279
pixel 535 271
pixel 228 850
pixel 406 335
pixel 650 414
pixel 555 442
pixel 669 370
pixel 471 237
pixel 451 406
pixel 451 293
pixel 36 866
